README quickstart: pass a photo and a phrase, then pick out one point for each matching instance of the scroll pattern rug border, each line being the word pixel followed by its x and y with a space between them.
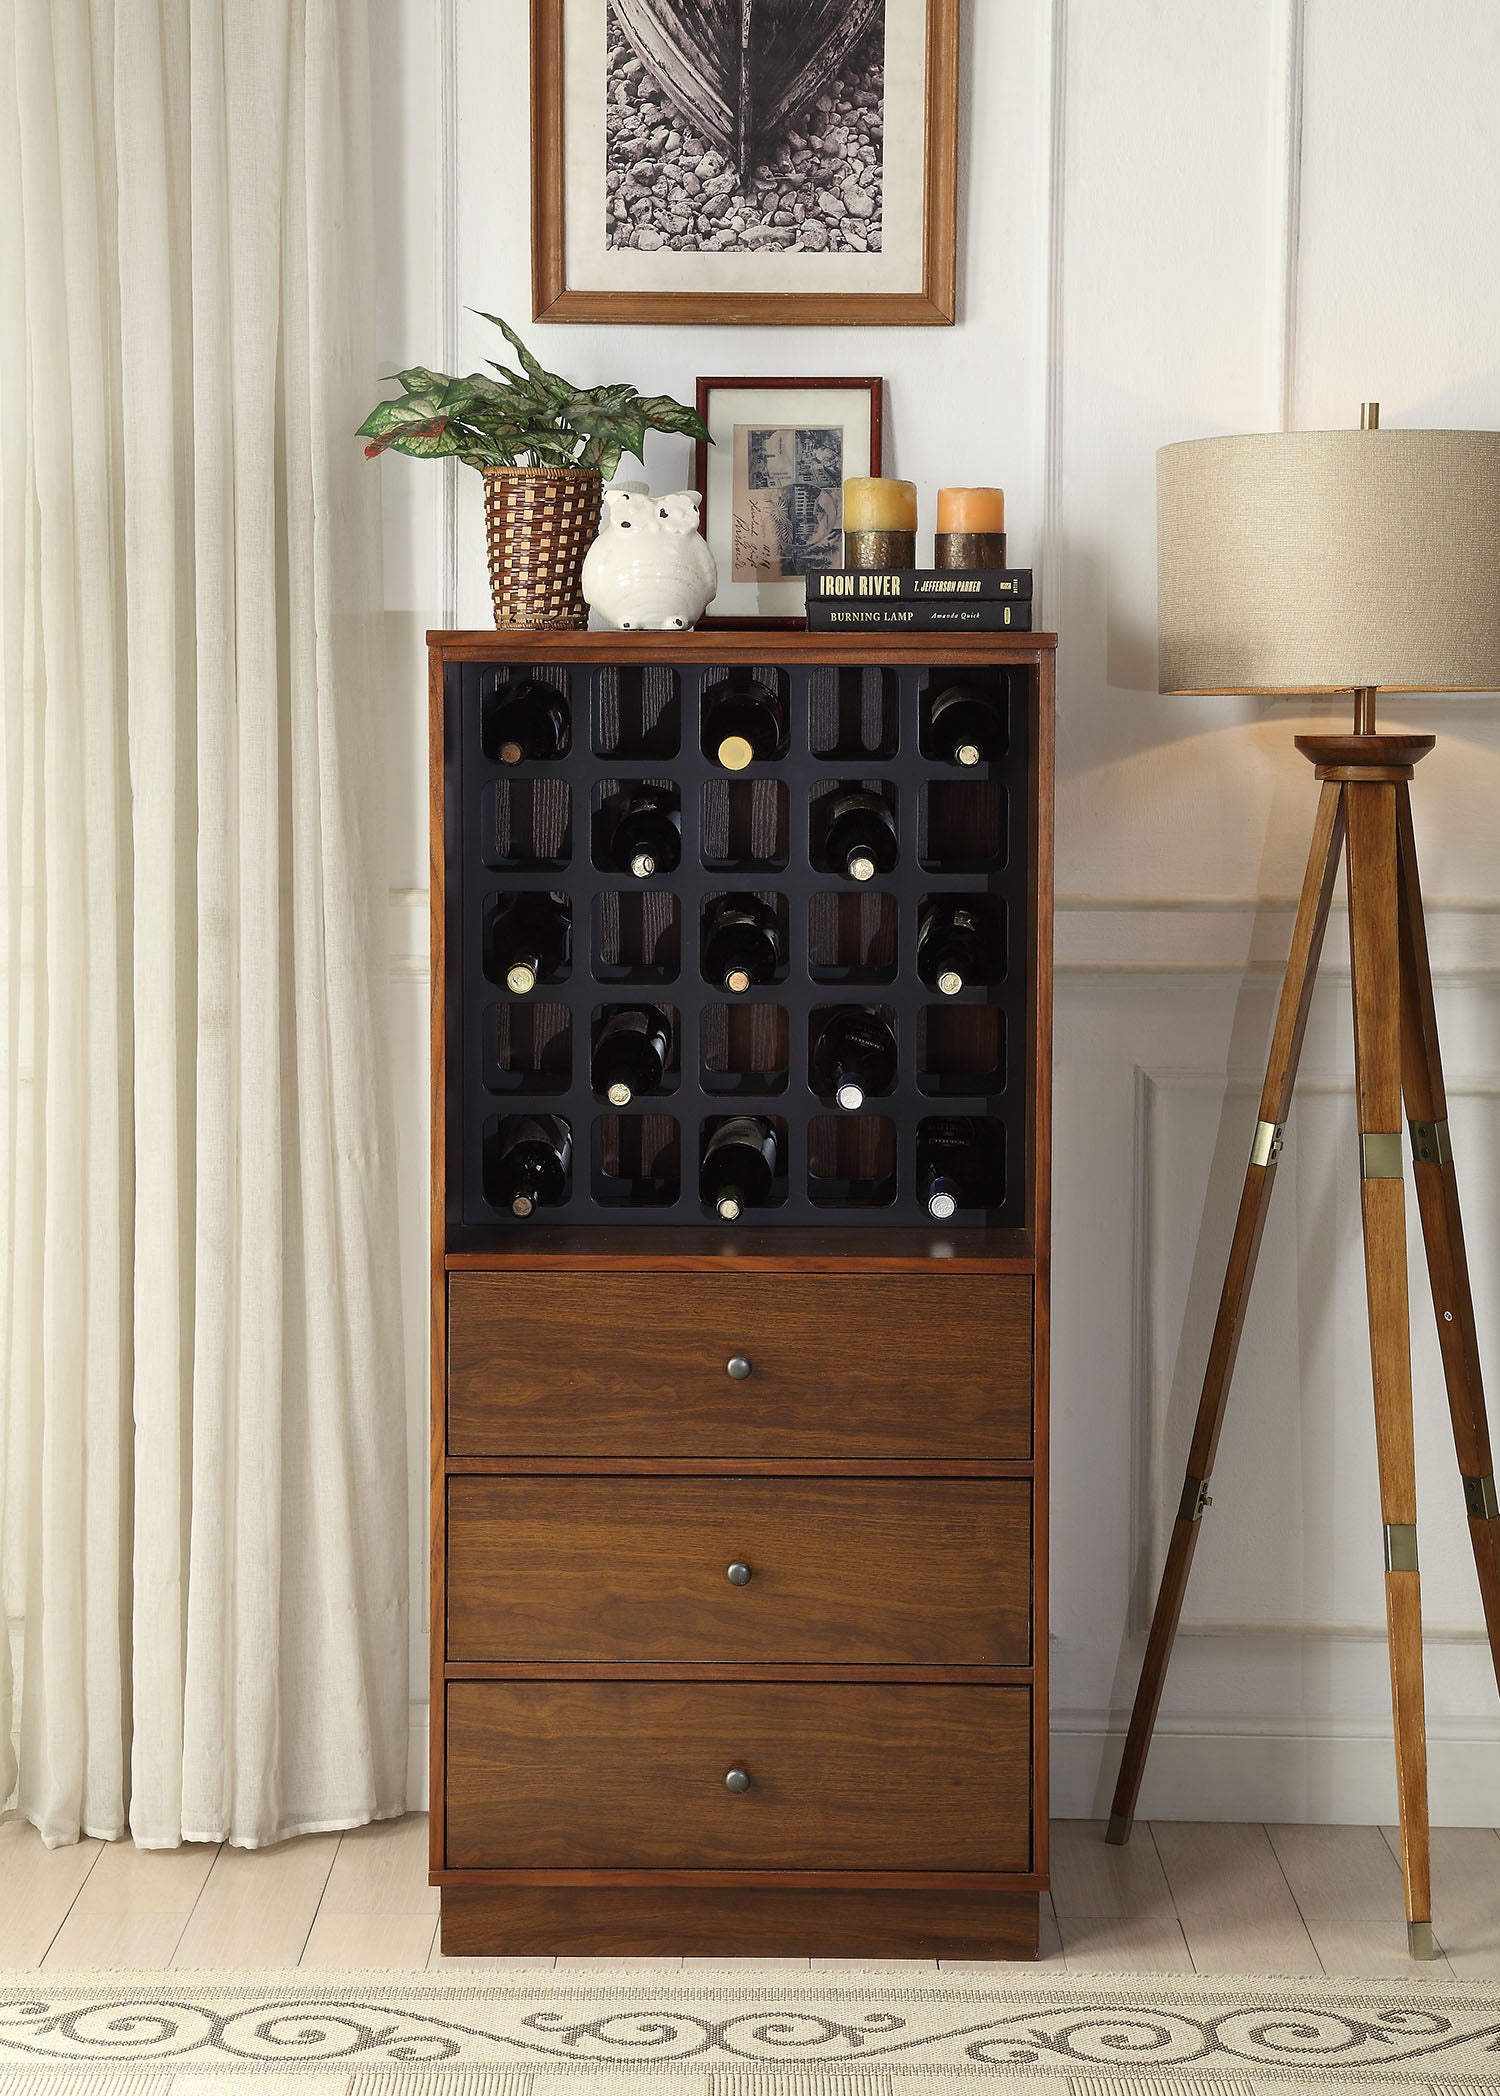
pixel 779 2034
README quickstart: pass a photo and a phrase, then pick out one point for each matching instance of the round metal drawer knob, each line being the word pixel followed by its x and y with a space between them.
pixel 738 1367
pixel 737 1781
pixel 738 1574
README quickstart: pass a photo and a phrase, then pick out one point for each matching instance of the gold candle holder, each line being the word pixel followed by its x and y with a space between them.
pixel 880 549
pixel 968 549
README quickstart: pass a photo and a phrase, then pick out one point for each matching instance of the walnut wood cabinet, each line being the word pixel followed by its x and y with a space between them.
pixel 739 1531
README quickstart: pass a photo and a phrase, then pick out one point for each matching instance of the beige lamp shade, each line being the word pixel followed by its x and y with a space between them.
pixel 1330 560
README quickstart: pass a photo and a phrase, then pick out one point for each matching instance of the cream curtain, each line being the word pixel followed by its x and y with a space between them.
pixel 202 1505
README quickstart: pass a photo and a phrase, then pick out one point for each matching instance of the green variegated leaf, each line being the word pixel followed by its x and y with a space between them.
pixel 434 438
pixel 393 415
pixel 420 380
pixel 662 412
pixel 546 382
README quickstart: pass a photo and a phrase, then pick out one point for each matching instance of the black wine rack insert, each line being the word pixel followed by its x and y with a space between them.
pixel 545 826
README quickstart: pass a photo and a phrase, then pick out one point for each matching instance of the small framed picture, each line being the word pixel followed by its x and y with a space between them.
pixel 772 484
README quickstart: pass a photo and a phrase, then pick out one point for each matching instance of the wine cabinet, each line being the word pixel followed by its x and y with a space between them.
pixel 739 1475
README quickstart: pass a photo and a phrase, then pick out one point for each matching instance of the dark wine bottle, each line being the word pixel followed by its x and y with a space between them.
pixel 954 947
pixel 741 943
pixel 861 836
pixel 531 1165
pixel 645 839
pixel 948 1163
pixel 965 726
pixel 854 1057
pixel 744 727
pixel 739 1164
pixel 530 942
pixel 630 1055
pixel 527 719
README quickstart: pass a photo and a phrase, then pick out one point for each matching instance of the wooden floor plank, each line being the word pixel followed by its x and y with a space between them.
pixel 382 1869
pixel 257 1906
pixel 40 1886
pixel 1372 1950
pixel 133 1907
pixel 1340 1873
pixel 372 1942
pixel 1236 1908
pixel 1089 1878
pixel 1465 1897
pixel 1112 1943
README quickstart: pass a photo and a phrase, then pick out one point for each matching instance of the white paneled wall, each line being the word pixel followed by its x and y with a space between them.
pixel 1180 217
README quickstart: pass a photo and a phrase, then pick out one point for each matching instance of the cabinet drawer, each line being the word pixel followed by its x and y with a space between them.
pixel 568 1775
pixel 597 1364
pixel 933 1571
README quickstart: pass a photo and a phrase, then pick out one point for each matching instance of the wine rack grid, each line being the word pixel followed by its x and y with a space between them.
pixel 476 1107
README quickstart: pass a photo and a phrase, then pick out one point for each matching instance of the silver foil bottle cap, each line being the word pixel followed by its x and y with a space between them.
pixel 862 867
pixel 521 979
pixel 522 1205
pixel 728 1208
pixel 941 1206
pixel 967 753
pixel 643 865
pixel 950 982
pixel 850 1097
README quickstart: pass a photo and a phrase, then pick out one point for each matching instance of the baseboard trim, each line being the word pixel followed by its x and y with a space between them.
pixel 1341 1778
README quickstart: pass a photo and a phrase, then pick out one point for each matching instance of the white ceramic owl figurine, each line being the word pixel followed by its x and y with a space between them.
pixel 650 568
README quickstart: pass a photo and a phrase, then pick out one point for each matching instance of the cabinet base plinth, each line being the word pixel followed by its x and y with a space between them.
pixel 753 1921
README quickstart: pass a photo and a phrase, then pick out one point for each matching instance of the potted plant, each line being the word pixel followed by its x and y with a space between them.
pixel 545 449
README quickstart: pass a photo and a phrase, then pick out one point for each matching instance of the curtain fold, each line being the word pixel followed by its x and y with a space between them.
pixel 202 1504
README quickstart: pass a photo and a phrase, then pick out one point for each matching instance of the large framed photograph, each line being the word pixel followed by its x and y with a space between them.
pixel 772 484
pixel 747 162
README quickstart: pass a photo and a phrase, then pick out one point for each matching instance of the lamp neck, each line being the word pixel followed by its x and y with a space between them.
pixel 1364 710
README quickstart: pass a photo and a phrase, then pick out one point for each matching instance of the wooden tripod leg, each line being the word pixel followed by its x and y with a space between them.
pixel 1443 1230
pixel 1374 944
pixel 1275 1100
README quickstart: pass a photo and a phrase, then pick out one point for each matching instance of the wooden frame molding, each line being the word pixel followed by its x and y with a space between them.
pixel 934 305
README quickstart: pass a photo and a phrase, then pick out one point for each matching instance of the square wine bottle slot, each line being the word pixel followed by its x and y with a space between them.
pixel 634 1052
pixel 638 828
pixel 528 939
pixel 526 718
pixel 742 1166
pixel 745 719
pixel 528 1164
pixel 853 831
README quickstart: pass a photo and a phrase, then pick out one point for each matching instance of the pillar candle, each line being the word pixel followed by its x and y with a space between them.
pixel 971 509
pixel 880 505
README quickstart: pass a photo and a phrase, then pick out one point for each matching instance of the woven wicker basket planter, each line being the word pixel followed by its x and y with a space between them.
pixel 539 521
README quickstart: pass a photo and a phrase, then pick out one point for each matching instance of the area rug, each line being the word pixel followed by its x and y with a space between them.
pixel 742 2031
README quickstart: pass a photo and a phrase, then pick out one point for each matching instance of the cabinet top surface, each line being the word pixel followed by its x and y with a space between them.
pixel 737 644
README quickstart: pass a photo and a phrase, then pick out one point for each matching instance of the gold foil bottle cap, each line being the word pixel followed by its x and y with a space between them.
pixel 967 753
pixel 862 867
pixel 522 1205
pixel 521 978
pixel 738 980
pixel 735 753
pixel 950 982
pixel 511 753
pixel 619 1094
pixel 643 865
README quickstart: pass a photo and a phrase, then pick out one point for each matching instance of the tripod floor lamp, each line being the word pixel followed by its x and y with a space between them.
pixel 1360 561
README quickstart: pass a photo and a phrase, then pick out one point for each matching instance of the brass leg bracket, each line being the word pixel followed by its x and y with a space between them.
pixel 1481 1498
pixel 1401 1546
pixel 1430 1142
pixel 1380 1156
pixel 1269 1139
pixel 1194 1499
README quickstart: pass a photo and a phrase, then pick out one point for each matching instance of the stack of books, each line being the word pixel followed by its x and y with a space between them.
pixel 920 600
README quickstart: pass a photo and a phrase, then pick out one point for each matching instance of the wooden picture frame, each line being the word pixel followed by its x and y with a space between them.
pixel 909 282
pixel 779 600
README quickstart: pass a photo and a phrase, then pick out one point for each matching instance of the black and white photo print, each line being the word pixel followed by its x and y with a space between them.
pixel 745 126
